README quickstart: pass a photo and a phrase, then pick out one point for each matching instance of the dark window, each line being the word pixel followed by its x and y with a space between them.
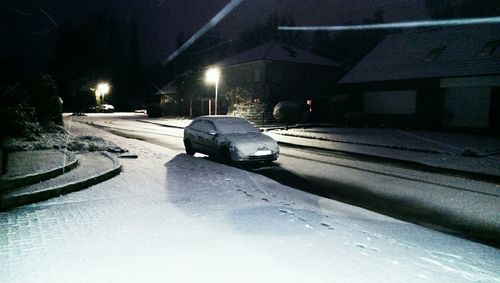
pixel 197 125
pixel 433 54
pixel 490 48
pixel 290 51
pixel 256 75
pixel 209 127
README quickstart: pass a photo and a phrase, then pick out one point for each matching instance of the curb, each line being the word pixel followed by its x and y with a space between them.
pixel 160 124
pixel 392 147
pixel 412 164
pixel 29 198
pixel 10 183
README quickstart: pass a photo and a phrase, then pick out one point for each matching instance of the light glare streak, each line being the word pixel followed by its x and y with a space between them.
pixel 415 24
pixel 214 21
pixel 48 16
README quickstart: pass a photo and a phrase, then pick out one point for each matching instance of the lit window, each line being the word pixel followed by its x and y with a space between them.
pixel 433 54
pixel 489 48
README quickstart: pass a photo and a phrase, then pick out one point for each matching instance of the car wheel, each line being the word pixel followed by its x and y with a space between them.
pixel 225 156
pixel 189 147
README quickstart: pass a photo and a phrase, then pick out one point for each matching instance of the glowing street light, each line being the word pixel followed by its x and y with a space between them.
pixel 103 89
pixel 212 76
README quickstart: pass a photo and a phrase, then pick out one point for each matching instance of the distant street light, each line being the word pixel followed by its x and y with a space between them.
pixel 212 76
pixel 103 89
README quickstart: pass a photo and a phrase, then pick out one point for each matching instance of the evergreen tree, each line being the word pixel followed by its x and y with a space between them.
pixel 90 52
pixel 349 47
pixel 261 33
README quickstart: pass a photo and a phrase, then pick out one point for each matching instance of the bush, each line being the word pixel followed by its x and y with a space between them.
pixel 288 112
pixel 237 98
pixel 340 105
pixel 19 121
pixel 354 119
pixel 45 99
pixel 154 111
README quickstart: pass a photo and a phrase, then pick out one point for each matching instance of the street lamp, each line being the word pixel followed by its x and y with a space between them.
pixel 103 89
pixel 212 76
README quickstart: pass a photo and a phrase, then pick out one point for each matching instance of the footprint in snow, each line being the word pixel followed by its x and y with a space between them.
pixel 245 193
pixel 328 226
pixel 286 212
pixel 359 245
pixel 445 256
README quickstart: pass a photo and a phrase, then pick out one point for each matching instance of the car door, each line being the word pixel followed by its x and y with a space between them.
pixel 194 132
pixel 208 138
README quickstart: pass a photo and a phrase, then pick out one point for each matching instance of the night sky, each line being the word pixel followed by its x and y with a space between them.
pixel 29 28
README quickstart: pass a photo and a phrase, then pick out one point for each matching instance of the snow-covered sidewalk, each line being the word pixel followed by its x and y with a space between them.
pixel 465 153
pixel 411 140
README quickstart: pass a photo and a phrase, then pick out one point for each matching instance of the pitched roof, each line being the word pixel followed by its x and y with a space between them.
pixel 276 51
pixel 443 52
pixel 167 89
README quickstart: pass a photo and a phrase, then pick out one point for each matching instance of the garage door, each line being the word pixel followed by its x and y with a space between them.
pixel 467 107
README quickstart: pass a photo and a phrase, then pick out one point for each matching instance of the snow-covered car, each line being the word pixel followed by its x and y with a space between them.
pixel 229 138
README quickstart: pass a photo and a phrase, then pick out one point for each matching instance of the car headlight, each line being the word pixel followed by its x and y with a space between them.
pixel 232 148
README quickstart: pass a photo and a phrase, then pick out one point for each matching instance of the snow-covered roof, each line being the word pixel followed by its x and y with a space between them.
pixel 442 52
pixel 276 51
pixel 167 89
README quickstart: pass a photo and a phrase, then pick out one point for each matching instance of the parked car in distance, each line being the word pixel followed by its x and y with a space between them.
pixel 107 108
pixel 230 139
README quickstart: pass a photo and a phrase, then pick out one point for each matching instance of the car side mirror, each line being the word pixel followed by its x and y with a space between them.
pixel 214 134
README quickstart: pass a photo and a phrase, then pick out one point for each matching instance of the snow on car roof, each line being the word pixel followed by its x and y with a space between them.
pixel 230 124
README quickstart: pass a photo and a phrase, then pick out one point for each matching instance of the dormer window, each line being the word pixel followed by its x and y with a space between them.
pixel 433 54
pixel 290 51
pixel 490 48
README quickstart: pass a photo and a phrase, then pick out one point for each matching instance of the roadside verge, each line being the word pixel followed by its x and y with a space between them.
pixel 55 163
pixel 94 167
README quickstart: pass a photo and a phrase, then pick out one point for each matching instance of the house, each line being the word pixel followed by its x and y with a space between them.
pixel 434 78
pixel 167 94
pixel 274 71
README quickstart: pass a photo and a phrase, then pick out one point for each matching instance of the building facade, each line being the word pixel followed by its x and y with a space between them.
pixel 275 72
pixel 434 78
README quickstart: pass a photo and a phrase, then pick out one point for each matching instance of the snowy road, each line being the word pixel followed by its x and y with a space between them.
pixel 447 203
pixel 169 217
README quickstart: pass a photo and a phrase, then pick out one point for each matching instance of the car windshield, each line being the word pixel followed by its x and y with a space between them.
pixel 235 126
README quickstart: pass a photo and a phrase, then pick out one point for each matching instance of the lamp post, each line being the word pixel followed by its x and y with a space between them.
pixel 212 76
pixel 103 89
